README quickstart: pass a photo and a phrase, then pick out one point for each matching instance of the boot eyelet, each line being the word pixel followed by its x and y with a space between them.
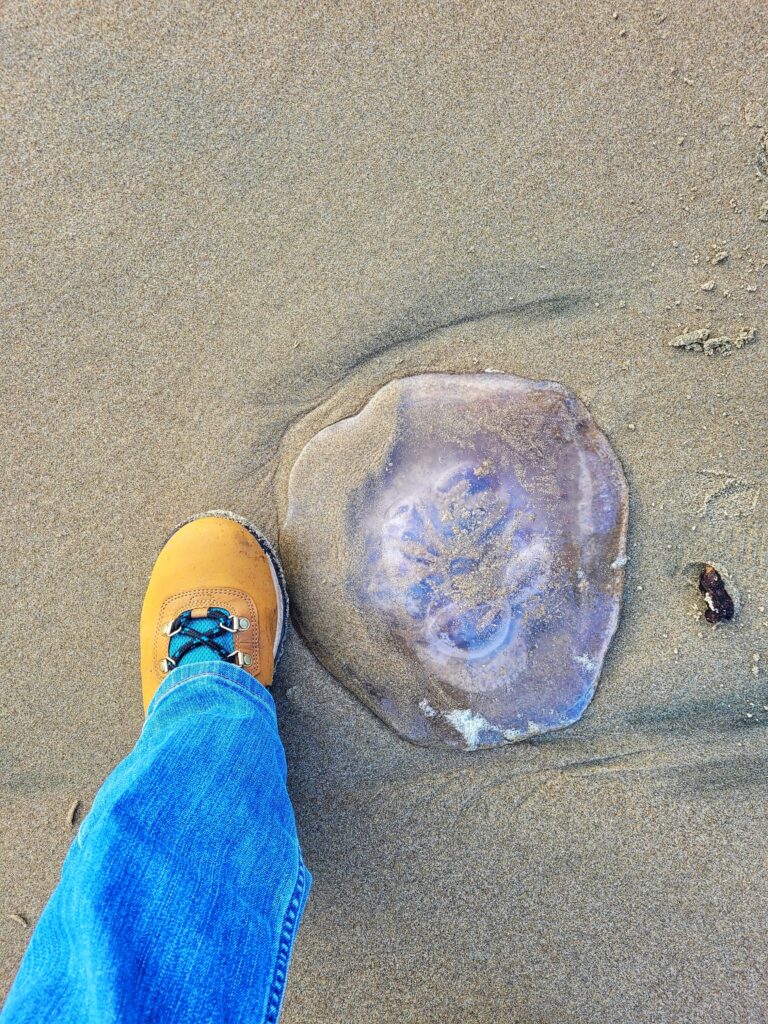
pixel 236 623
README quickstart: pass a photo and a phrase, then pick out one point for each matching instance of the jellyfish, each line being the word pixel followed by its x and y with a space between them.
pixel 456 554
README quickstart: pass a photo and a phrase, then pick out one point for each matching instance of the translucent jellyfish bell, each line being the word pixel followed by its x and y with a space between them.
pixel 456 555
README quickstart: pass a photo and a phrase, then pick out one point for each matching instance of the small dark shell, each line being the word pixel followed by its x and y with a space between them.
pixel 720 606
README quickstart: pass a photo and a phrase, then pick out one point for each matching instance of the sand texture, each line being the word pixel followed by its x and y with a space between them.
pixel 225 228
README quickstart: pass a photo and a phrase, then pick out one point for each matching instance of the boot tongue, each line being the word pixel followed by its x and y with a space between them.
pixel 189 645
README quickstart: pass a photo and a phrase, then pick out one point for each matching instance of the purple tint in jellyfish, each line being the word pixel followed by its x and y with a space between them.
pixel 466 535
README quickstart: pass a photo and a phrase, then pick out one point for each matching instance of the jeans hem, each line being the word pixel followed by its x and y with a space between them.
pixel 231 676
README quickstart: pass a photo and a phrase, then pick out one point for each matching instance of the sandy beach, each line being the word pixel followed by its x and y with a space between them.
pixel 227 228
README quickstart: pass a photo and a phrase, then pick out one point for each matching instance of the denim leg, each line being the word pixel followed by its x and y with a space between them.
pixel 180 897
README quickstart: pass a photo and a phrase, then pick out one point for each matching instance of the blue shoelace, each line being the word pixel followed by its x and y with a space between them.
pixel 201 639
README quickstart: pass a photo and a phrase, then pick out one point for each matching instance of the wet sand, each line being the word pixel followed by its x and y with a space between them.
pixel 227 230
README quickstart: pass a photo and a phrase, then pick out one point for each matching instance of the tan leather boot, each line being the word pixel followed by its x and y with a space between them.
pixel 217 592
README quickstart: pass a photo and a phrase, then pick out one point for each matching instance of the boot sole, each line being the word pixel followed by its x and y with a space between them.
pixel 276 569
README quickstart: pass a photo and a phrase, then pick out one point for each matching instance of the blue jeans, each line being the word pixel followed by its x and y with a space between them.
pixel 181 895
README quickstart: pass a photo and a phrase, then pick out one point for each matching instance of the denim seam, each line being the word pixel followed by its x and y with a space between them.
pixel 284 947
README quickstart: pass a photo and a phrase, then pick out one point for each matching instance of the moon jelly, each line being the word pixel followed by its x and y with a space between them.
pixel 456 554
